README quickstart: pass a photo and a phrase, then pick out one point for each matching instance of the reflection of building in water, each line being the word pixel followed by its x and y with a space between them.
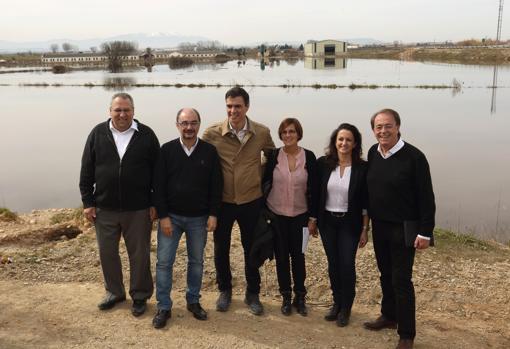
pixel 325 48
pixel 325 63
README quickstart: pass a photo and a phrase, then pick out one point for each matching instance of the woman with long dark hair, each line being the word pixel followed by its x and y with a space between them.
pixel 342 215
pixel 290 181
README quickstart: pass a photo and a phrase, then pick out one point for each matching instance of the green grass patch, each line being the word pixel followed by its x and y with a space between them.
pixel 7 215
pixel 66 216
pixel 449 238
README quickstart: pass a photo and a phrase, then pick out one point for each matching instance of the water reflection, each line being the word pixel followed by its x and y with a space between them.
pixel 325 63
pixel 494 87
pixel 118 83
pixel 471 197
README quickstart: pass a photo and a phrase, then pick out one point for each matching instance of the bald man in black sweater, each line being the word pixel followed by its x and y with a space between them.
pixel 402 209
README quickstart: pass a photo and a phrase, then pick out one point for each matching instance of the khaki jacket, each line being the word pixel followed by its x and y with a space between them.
pixel 241 162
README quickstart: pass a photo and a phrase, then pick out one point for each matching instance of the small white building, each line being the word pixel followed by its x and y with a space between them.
pixel 325 48
pixel 80 57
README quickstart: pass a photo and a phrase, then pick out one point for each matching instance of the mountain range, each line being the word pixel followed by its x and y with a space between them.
pixel 152 40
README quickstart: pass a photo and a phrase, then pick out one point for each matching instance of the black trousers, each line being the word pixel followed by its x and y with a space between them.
pixel 246 216
pixel 340 243
pixel 395 263
pixel 289 243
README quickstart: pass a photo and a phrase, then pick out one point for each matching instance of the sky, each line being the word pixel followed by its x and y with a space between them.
pixel 242 22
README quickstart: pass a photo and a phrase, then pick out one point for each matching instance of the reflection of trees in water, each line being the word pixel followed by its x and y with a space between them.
pixel 118 83
pixel 291 61
pixel 180 62
pixel 456 87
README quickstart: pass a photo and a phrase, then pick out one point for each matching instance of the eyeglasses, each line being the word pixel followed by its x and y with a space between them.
pixel 185 124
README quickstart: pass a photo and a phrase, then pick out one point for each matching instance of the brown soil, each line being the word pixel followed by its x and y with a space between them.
pixel 50 290
pixel 475 55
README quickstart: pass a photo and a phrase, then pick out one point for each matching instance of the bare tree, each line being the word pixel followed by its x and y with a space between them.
pixel 54 48
pixel 209 45
pixel 201 45
pixel 115 50
pixel 93 49
pixel 67 47
pixel 187 46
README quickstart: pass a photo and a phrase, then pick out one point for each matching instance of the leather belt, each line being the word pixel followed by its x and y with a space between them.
pixel 338 214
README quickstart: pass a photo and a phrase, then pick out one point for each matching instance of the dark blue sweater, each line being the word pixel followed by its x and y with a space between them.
pixel 188 185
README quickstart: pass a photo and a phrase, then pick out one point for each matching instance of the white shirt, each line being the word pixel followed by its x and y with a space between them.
pixel 241 133
pixel 185 148
pixel 337 199
pixel 393 150
pixel 122 138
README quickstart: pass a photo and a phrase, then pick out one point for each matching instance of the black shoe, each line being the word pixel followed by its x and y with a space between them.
pixel 110 300
pixel 161 317
pixel 252 300
pixel 286 305
pixel 198 312
pixel 299 303
pixel 224 300
pixel 139 307
pixel 333 312
pixel 343 318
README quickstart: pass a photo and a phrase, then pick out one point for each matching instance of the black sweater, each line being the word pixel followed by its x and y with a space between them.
pixel 188 185
pixel 400 188
pixel 110 183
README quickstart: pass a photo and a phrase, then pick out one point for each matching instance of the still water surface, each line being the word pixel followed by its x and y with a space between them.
pixel 44 129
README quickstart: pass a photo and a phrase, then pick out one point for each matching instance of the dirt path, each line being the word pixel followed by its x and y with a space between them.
pixel 50 290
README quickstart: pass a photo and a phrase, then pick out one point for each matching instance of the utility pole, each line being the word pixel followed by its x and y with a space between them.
pixel 500 20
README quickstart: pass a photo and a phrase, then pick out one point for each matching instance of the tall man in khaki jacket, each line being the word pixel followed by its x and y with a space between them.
pixel 239 142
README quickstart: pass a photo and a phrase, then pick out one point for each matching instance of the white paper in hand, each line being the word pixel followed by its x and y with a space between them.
pixel 306 237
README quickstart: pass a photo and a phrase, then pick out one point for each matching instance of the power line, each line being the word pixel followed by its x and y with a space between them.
pixel 500 20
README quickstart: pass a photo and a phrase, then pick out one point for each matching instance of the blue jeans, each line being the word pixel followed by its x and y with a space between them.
pixel 195 229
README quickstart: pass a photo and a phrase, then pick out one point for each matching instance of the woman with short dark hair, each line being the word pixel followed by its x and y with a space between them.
pixel 342 215
pixel 290 183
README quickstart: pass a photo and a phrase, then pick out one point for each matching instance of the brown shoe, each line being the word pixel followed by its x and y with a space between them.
pixel 380 323
pixel 405 344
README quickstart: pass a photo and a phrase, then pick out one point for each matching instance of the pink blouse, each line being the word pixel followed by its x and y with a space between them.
pixel 288 193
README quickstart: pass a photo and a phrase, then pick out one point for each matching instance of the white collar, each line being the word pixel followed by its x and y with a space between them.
pixel 134 126
pixel 393 150
pixel 245 127
pixel 184 145
pixel 185 148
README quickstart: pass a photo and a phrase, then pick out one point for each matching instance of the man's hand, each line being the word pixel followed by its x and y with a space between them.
pixel 153 213
pixel 90 214
pixel 165 225
pixel 212 222
pixel 421 243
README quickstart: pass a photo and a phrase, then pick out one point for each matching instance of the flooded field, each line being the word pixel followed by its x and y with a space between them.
pixel 463 131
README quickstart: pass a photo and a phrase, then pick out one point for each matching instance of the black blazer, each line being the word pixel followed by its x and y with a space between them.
pixel 311 185
pixel 358 194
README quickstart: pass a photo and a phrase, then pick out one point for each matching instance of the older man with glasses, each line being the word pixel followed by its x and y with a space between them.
pixel 187 188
